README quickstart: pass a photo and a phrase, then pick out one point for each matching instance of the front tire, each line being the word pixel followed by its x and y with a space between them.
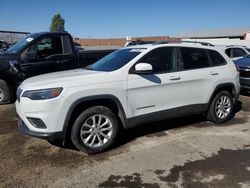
pixel 5 93
pixel 95 130
pixel 221 108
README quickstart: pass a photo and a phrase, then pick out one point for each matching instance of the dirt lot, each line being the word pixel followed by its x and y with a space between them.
pixel 188 152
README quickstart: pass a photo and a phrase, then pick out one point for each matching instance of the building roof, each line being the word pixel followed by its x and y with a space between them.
pixel 15 32
pixel 216 33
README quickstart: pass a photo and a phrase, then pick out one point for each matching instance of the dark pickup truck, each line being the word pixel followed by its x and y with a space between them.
pixel 42 53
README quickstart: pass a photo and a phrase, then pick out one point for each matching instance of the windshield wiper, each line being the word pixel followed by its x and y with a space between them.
pixel 88 68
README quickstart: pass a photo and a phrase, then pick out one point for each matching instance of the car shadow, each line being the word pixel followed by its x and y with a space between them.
pixel 157 129
pixel 238 107
pixel 148 129
pixel 245 93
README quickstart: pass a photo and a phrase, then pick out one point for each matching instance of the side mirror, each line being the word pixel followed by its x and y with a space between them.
pixel 143 68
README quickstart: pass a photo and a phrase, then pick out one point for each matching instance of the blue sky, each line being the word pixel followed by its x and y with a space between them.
pixel 120 18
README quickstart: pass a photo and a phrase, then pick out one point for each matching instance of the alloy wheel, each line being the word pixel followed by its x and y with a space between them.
pixel 223 107
pixel 96 130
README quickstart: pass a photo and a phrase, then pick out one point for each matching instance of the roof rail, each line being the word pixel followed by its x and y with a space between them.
pixel 183 41
pixel 237 45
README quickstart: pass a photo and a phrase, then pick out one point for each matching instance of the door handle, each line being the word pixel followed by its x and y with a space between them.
pixel 174 78
pixel 213 73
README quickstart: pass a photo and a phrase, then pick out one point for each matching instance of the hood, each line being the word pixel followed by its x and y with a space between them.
pixel 243 62
pixel 71 78
pixel 5 58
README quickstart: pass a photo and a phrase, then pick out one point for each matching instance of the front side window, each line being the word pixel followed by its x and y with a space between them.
pixel 216 58
pixel 161 59
pixel 235 52
pixel 115 60
pixel 46 47
pixel 238 52
pixel 194 58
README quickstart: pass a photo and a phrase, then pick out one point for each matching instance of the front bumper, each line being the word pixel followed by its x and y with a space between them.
pixel 43 135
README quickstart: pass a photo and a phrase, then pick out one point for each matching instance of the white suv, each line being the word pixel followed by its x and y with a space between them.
pixel 236 52
pixel 131 86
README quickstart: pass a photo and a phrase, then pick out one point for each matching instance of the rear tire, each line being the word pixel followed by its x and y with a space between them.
pixel 221 108
pixel 95 130
pixel 5 92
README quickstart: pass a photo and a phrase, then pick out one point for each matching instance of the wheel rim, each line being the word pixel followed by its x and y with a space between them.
pixel 96 130
pixel 1 95
pixel 223 107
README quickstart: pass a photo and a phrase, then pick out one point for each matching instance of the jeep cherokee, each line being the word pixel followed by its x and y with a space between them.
pixel 130 86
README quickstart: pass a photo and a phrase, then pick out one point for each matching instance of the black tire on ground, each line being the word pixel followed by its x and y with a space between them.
pixel 5 93
pixel 213 116
pixel 86 117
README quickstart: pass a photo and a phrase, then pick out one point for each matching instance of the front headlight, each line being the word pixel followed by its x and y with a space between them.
pixel 43 94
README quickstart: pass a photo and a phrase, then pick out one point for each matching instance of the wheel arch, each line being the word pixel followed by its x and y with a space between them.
pixel 79 105
pixel 230 87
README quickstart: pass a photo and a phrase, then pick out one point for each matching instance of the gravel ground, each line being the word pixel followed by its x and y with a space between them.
pixel 183 152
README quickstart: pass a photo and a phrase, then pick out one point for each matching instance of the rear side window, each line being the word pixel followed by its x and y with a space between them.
pixel 194 58
pixel 216 58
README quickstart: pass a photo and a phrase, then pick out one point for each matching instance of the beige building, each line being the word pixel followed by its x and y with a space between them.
pixel 117 41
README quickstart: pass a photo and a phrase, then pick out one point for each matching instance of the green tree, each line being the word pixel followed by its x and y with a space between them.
pixel 57 23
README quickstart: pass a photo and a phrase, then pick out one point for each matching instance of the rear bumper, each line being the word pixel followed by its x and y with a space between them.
pixel 47 136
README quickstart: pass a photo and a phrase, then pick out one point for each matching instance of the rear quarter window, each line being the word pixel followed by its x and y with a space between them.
pixel 216 58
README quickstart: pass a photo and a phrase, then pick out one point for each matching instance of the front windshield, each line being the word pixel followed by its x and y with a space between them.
pixel 19 45
pixel 248 49
pixel 115 60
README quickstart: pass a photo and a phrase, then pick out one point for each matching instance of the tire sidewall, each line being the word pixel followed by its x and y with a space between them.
pixel 229 116
pixel 6 92
pixel 75 131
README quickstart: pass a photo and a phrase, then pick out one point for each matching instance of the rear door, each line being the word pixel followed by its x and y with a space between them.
pixel 48 54
pixel 197 76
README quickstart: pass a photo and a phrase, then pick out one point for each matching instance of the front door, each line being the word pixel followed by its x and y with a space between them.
pixel 148 93
pixel 47 55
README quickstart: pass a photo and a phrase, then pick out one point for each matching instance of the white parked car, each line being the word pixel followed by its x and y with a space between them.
pixel 236 52
pixel 131 86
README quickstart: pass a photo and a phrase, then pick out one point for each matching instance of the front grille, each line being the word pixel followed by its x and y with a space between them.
pixel 245 73
pixel 18 93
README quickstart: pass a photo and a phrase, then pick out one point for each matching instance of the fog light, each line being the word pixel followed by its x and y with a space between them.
pixel 38 123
